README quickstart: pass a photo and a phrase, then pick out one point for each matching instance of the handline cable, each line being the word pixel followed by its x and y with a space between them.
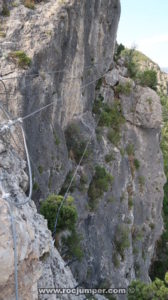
pixel 29 169
pixel 64 81
pixel 52 72
pixel 20 119
pixel 73 177
pixel 13 228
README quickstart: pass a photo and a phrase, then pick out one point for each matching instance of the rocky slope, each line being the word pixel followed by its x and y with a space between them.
pixel 71 45
pixel 144 62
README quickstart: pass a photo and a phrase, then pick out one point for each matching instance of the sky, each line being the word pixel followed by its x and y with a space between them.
pixel 144 23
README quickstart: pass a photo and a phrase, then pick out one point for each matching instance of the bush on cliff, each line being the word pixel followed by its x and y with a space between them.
pixel 110 117
pixel 76 143
pixel 99 184
pixel 68 212
pixel 157 290
pixel 121 239
pixel 66 221
pixel 20 58
pixel 148 78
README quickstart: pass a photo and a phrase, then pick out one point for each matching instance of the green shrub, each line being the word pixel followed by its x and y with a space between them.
pixel 40 169
pixel 152 225
pixel 5 11
pixel 136 163
pixel 148 78
pixel 72 242
pixel 66 220
pixel 56 138
pixel 155 290
pixel 130 189
pixel 118 51
pixel 122 152
pixel 137 233
pixel 20 58
pixel 2 34
pixel 111 199
pixel 110 297
pixel 124 88
pixel 121 239
pixel 99 134
pixel 149 100
pixel 111 117
pixel 130 63
pixel 35 186
pixel 50 180
pixel 114 136
pixel 99 185
pixel 109 157
pixel 68 212
pixel 130 202
pixel 83 182
pixel 29 4
pixel 89 297
pixel 130 149
pixel 76 143
pixel 83 179
pixel 99 84
pixel 141 181
pixel 116 260
pixel 98 104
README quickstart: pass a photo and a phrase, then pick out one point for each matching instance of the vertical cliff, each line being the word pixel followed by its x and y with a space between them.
pixel 67 52
pixel 71 44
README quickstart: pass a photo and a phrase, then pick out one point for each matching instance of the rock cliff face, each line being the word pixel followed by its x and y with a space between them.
pixel 37 256
pixel 131 209
pixel 71 45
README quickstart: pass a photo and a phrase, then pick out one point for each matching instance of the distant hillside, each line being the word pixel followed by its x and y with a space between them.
pixel 145 62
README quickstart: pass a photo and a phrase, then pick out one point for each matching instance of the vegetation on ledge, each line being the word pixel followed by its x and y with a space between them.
pixel 99 184
pixel 110 117
pixel 5 11
pixel 158 290
pixel 66 221
pixel 133 61
pixel 76 143
pixel 20 58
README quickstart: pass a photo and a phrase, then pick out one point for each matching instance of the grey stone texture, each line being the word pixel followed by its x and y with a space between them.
pixel 71 44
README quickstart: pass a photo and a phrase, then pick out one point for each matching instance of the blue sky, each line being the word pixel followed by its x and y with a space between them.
pixel 144 23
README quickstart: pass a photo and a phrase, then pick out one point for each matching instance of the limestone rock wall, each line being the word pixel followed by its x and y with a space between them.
pixel 71 45
pixel 38 260
pixel 134 200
